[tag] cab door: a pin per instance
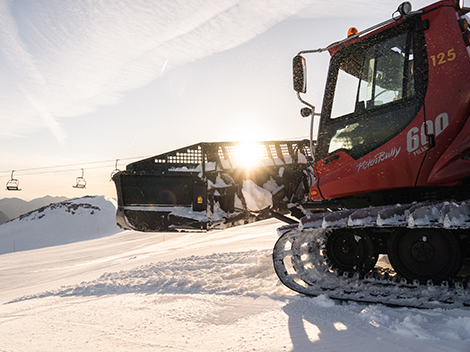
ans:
(374, 94)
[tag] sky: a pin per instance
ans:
(90, 85)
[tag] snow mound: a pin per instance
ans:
(69, 221)
(256, 198)
(237, 273)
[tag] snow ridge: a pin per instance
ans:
(238, 273)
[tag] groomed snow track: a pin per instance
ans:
(301, 262)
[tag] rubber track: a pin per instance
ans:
(300, 264)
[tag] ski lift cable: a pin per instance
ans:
(68, 166)
(66, 170)
(56, 168)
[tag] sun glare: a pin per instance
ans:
(248, 155)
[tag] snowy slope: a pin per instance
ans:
(60, 223)
(212, 291)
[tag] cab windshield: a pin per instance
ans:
(371, 93)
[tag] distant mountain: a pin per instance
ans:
(3, 217)
(14, 207)
(74, 220)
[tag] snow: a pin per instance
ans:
(72, 290)
(256, 198)
(272, 186)
(66, 222)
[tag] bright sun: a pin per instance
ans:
(248, 155)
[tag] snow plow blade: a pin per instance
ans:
(212, 185)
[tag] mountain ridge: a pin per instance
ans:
(3, 217)
(12, 208)
(69, 221)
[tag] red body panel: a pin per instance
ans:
(409, 160)
(448, 93)
(389, 166)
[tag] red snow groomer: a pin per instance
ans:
(392, 166)
(387, 215)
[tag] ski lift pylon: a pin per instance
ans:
(13, 184)
(81, 182)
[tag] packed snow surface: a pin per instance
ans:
(214, 291)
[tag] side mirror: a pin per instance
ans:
(300, 72)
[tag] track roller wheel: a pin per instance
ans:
(425, 254)
(351, 250)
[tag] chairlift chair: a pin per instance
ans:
(13, 184)
(81, 182)
(115, 171)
